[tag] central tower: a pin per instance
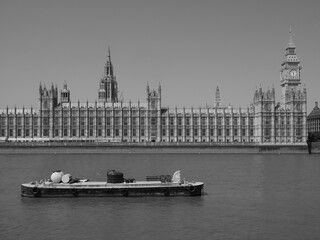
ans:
(108, 91)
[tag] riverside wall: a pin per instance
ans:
(131, 148)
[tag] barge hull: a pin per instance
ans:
(123, 191)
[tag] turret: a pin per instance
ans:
(217, 99)
(65, 94)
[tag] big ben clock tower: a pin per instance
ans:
(290, 73)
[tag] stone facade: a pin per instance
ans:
(111, 120)
(313, 119)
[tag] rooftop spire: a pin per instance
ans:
(108, 69)
(109, 55)
(290, 43)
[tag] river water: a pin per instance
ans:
(247, 196)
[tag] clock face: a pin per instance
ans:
(293, 73)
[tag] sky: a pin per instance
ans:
(187, 46)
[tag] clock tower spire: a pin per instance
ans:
(290, 72)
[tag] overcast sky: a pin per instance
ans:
(189, 47)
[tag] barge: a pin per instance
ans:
(63, 185)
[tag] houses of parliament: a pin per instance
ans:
(111, 120)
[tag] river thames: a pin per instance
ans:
(247, 196)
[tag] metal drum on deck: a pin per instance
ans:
(114, 177)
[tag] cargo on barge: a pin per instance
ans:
(63, 185)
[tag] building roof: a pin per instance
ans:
(315, 113)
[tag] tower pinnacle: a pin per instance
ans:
(290, 42)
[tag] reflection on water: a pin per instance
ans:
(247, 197)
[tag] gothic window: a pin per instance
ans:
(108, 132)
(219, 121)
(228, 132)
(46, 121)
(211, 132)
(35, 121)
(19, 132)
(134, 121)
(298, 131)
(251, 132)
(19, 121)
(91, 132)
(219, 132)
(267, 132)
(56, 121)
(235, 132)
(195, 121)
(117, 132)
(2, 121)
(227, 121)
(45, 104)
(82, 121)
(35, 132)
(65, 132)
(74, 121)
(179, 121)
(235, 121)
(134, 132)
(125, 121)
(153, 121)
(65, 121)
(171, 132)
(251, 121)
(56, 132)
(298, 120)
(142, 121)
(10, 121)
(243, 121)
(243, 132)
(164, 121)
(45, 132)
(125, 132)
(3, 132)
(211, 122)
(203, 132)
(117, 121)
(203, 121)
(108, 121)
(11, 132)
(298, 107)
(142, 132)
(195, 132)
(163, 132)
(179, 132)
(171, 121)
(27, 132)
(99, 121)
(188, 132)
(188, 121)
(153, 104)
